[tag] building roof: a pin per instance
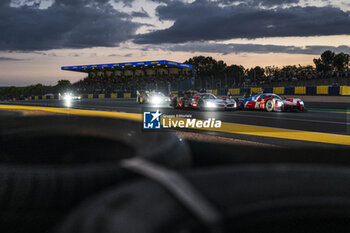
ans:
(87, 68)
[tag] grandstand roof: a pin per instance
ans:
(88, 68)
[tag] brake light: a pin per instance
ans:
(194, 104)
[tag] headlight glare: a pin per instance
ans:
(279, 103)
(210, 105)
(67, 96)
(156, 100)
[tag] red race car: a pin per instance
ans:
(272, 102)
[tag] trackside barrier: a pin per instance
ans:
(322, 90)
(289, 90)
(267, 89)
(127, 95)
(311, 90)
(214, 91)
(234, 91)
(344, 90)
(175, 93)
(245, 90)
(255, 90)
(120, 95)
(333, 90)
(300, 90)
(84, 96)
(222, 91)
(278, 90)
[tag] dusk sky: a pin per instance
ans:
(37, 37)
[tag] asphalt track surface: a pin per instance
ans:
(330, 118)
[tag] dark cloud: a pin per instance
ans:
(141, 14)
(206, 47)
(206, 20)
(274, 2)
(65, 24)
(249, 2)
(10, 59)
(126, 2)
(268, 3)
(118, 55)
(128, 55)
(74, 55)
(81, 2)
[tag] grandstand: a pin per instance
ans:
(131, 76)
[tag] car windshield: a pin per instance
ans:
(209, 96)
(158, 94)
(253, 98)
(179, 116)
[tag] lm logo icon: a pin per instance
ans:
(151, 120)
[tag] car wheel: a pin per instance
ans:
(269, 106)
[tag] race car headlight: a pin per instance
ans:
(67, 96)
(279, 104)
(156, 100)
(301, 103)
(210, 105)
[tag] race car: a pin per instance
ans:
(272, 102)
(204, 101)
(239, 101)
(69, 96)
(153, 98)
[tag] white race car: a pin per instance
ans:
(69, 96)
(153, 98)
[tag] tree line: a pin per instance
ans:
(37, 89)
(207, 68)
